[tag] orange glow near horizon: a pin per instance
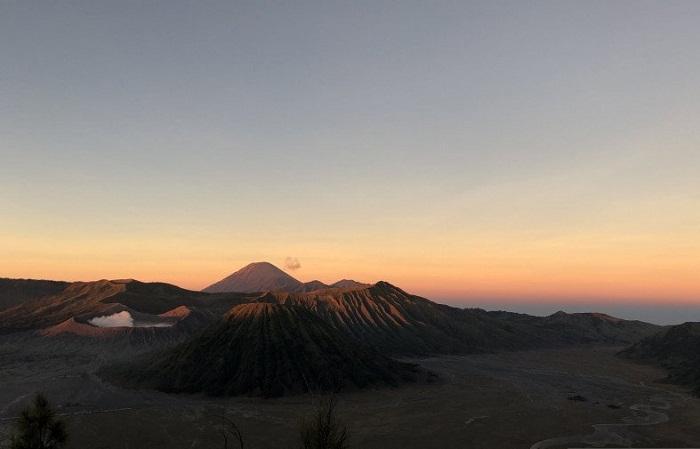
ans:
(592, 268)
(552, 239)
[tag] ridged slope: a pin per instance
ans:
(267, 350)
(397, 322)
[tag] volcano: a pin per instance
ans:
(260, 277)
(257, 277)
(266, 350)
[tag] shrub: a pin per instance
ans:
(324, 430)
(38, 427)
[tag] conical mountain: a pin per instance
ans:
(257, 277)
(265, 350)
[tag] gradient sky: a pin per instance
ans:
(473, 152)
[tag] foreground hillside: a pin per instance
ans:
(268, 350)
(677, 349)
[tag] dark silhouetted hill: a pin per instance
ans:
(676, 348)
(577, 328)
(266, 350)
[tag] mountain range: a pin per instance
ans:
(268, 350)
(296, 336)
(263, 277)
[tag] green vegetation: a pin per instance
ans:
(38, 427)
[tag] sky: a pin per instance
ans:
(542, 153)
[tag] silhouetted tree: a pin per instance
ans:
(324, 430)
(38, 428)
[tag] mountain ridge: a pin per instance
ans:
(265, 350)
(380, 315)
(258, 277)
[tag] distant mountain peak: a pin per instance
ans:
(349, 284)
(387, 287)
(260, 277)
(313, 286)
(594, 315)
(256, 277)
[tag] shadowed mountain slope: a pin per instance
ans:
(576, 328)
(599, 327)
(267, 350)
(676, 348)
(16, 291)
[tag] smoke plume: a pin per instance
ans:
(121, 319)
(292, 263)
